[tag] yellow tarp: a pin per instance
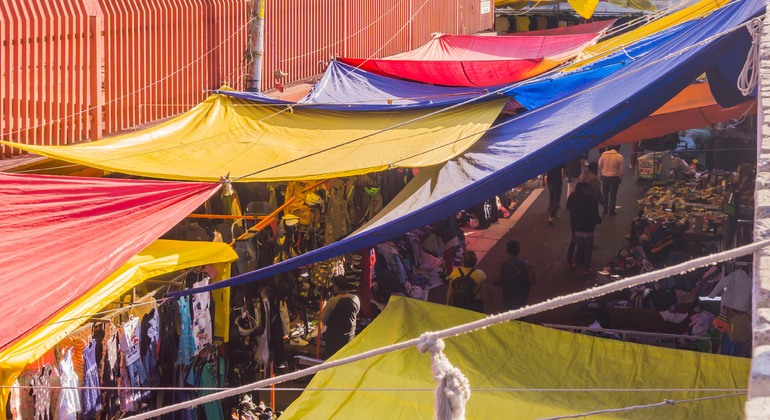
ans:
(228, 135)
(521, 356)
(603, 48)
(160, 257)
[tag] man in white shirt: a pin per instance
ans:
(611, 165)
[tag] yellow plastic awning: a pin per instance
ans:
(160, 257)
(267, 143)
(513, 356)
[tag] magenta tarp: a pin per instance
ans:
(598, 28)
(61, 236)
(467, 60)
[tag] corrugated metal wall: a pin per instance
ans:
(75, 70)
(302, 36)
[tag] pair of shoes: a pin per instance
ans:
(551, 220)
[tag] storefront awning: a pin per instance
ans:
(467, 60)
(503, 361)
(63, 235)
(225, 135)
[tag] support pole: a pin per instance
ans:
(256, 44)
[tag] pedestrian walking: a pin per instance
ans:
(554, 183)
(516, 278)
(584, 216)
(611, 170)
(467, 285)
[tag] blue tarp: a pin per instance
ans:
(533, 142)
(551, 87)
(343, 87)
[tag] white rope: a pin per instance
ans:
(641, 407)
(749, 76)
(452, 387)
(476, 325)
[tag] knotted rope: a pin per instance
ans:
(452, 387)
(749, 76)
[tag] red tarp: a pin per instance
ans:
(63, 235)
(467, 60)
(597, 28)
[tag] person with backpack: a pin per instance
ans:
(467, 285)
(516, 278)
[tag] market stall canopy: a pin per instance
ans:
(467, 60)
(533, 142)
(599, 28)
(343, 87)
(515, 356)
(694, 107)
(63, 235)
(225, 135)
(160, 257)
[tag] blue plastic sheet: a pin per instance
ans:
(533, 142)
(343, 87)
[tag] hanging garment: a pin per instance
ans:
(110, 369)
(210, 378)
(201, 309)
(92, 399)
(150, 336)
(186, 340)
(298, 191)
(130, 346)
(336, 217)
(69, 398)
(522, 23)
(42, 393)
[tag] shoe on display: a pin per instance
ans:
(298, 341)
(314, 333)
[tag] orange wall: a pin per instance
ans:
(76, 70)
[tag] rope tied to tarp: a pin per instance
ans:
(452, 387)
(747, 80)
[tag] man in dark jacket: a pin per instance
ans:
(584, 216)
(516, 277)
(339, 315)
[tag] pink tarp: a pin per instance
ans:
(597, 28)
(467, 60)
(63, 235)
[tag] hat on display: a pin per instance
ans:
(345, 284)
(290, 219)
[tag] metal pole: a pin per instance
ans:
(257, 44)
